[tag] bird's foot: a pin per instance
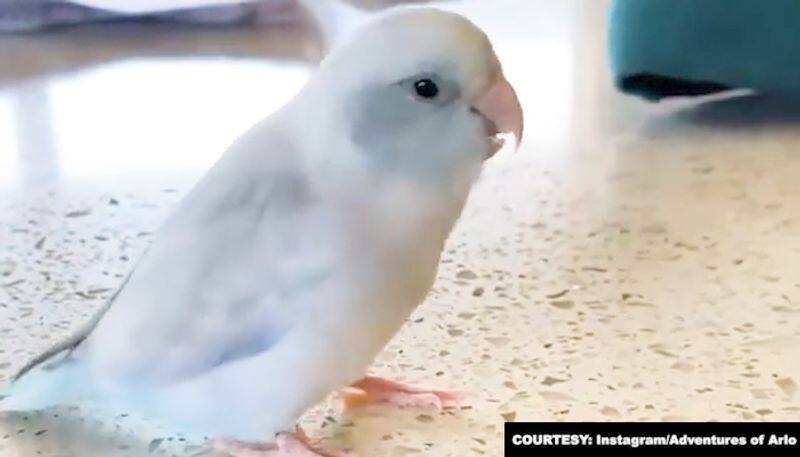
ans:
(371, 390)
(285, 445)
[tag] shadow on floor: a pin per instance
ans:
(68, 431)
(742, 111)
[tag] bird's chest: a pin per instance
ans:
(398, 238)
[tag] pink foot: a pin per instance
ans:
(285, 445)
(370, 390)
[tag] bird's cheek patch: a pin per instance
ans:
(379, 117)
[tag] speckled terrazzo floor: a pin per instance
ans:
(631, 262)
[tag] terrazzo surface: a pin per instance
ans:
(631, 262)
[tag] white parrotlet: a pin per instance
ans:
(290, 265)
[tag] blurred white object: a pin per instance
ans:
(159, 6)
(31, 15)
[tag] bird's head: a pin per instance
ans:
(420, 90)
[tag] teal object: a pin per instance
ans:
(663, 48)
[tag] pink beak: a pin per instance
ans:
(501, 107)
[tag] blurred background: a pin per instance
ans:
(633, 261)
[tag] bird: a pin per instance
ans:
(285, 270)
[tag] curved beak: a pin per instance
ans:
(501, 107)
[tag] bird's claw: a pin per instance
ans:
(372, 390)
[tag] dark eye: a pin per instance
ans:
(426, 88)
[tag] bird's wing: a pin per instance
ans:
(221, 279)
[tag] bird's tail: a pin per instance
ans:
(42, 388)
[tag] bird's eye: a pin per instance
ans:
(426, 88)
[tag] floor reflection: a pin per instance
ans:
(144, 117)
